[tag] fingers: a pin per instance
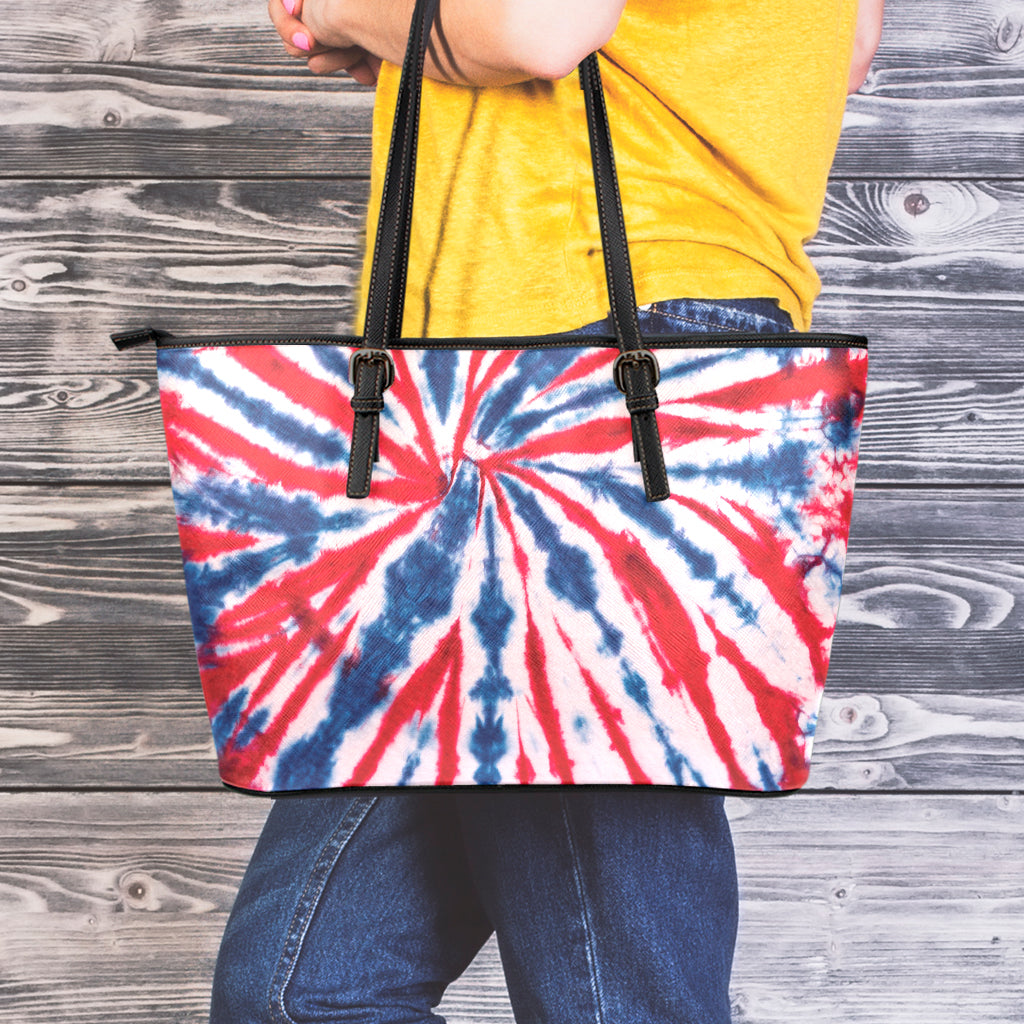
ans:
(321, 60)
(360, 65)
(297, 39)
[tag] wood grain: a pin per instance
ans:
(863, 908)
(159, 32)
(142, 249)
(962, 425)
(138, 120)
(946, 395)
(139, 248)
(931, 34)
(942, 34)
(113, 907)
(105, 707)
(122, 120)
(105, 555)
(99, 685)
(905, 905)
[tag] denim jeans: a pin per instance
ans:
(612, 905)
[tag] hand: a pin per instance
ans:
(338, 53)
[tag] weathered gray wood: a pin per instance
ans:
(967, 427)
(119, 120)
(935, 239)
(113, 118)
(113, 707)
(905, 125)
(137, 248)
(81, 259)
(931, 34)
(945, 401)
(938, 34)
(113, 907)
(906, 905)
(921, 427)
(110, 555)
(160, 32)
(99, 687)
(101, 555)
(875, 909)
(103, 707)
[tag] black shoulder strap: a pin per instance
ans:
(372, 370)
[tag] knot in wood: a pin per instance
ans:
(111, 118)
(848, 714)
(1008, 33)
(739, 1005)
(19, 285)
(916, 204)
(137, 891)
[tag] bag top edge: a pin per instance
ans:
(660, 341)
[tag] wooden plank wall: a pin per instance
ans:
(163, 161)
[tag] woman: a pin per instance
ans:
(608, 904)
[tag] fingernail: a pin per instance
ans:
(289, 6)
(302, 41)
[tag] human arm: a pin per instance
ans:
(478, 42)
(866, 39)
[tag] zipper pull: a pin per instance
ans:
(131, 339)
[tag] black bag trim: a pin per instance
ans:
(741, 339)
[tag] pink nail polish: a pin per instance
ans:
(302, 41)
(289, 6)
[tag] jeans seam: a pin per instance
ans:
(697, 321)
(588, 930)
(307, 905)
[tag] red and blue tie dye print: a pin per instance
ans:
(506, 607)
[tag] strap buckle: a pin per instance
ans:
(636, 357)
(372, 355)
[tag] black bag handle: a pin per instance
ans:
(372, 370)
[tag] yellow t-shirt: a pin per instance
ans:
(725, 116)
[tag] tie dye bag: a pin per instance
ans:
(490, 561)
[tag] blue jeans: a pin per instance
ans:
(612, 905)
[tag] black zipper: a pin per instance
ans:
(163, 339)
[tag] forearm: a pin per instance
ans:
(866, 40)
(477, 42)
